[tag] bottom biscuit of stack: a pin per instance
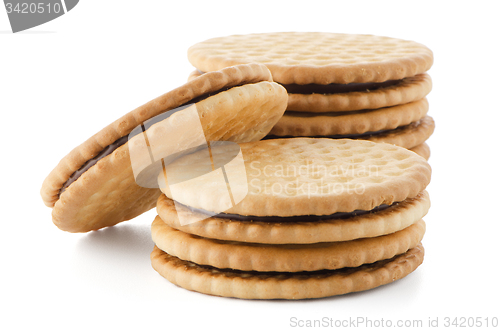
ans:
(276, 285)
(296, 245)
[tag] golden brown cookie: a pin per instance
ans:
(288, 285)
(389, 220)
(106, 193)
(284, 257)
(303, 176)
(305, 124)
(408, 136)
(316, 57)
(407, 90)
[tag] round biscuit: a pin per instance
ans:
(304, 176)
(284, 257)
(392, 219)
(306, 124)
(316, 57)
(293, 286)
(407, 90)
(107, 194)
(408, 136)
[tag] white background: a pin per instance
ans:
(65, 80)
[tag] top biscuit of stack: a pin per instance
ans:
(315, 57)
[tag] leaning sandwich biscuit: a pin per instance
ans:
(94, 186)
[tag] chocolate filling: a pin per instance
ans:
(339, 136)
(105, 152)
(121, 141)
(351, 136)
(283, 275)
(334, 88)
(298, 218)
(337, 88)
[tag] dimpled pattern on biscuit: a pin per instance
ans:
(360, 175)
(245, 113)
(316, 57)
(253, 285)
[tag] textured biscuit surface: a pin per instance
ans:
(407, 90)
(107, 194)
(308, 176)
(303, 285)
(335, 123)
(392, 219)
(316, 57)
(285, 257)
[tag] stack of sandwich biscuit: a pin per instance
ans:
(243, 217)
(320, 217)
(339, 85)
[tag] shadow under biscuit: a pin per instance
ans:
(132, 242)
(113, 262)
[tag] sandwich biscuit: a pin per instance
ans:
(286, 285)
(94, 185)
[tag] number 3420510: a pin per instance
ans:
(32, 8)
